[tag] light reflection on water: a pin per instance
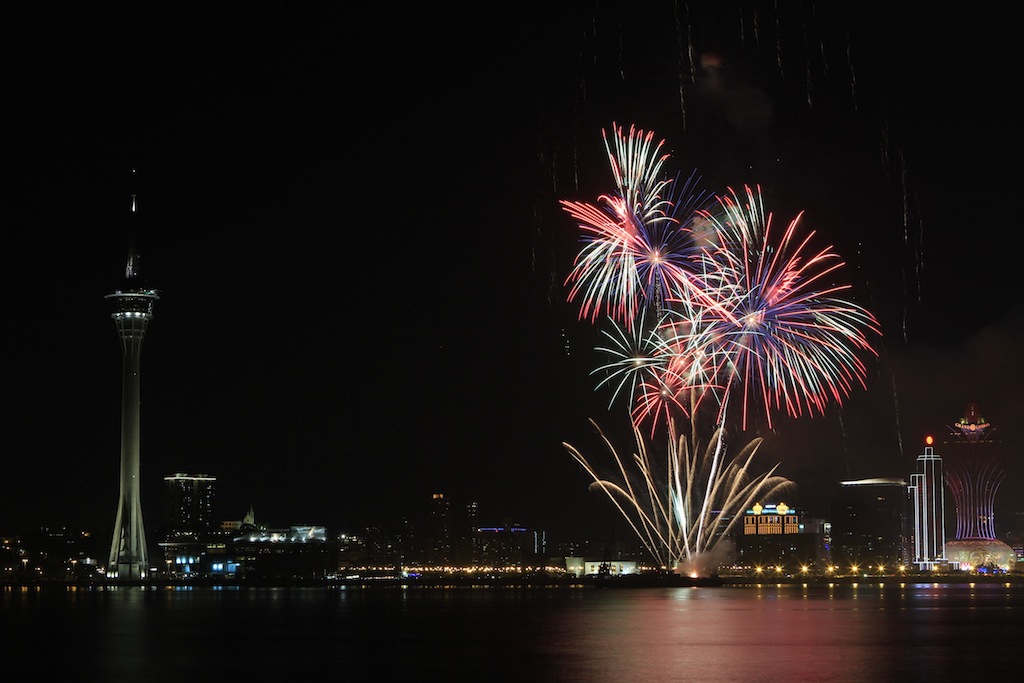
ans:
(865, 632)
(860, 633)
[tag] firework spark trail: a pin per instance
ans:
(778, 40)
(896, 411)
(808, 78)
(853, 72)
(689, 57)
(660, 511)
(713, 481)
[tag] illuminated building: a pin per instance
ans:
(928, 502)
(578, 566)
(510, 544)
(190, 503)
(440, 544)
(469, 545)
(298, 553)
(190, 541)
(252, 552)
(133, 308)
(773, 534)
(869, 523)
(771, 519)
(973, 475)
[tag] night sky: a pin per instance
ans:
(353, 224)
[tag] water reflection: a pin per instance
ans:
(818, 632)
(868, 632)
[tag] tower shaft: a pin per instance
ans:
(129, 557)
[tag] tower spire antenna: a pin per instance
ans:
(133, 308)
(132, 269)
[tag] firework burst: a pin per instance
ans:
(736, 308)
(636, 356)
(636, 241)
(784, 334)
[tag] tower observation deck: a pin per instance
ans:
(133, 308)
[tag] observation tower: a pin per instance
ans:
(973, 475)
(133, 307)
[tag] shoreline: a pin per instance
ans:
(602, 582)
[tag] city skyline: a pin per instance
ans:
(361, 257)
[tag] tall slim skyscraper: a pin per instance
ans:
(440, 530)
(133, 307)
(926, 493)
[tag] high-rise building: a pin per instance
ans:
(440, 543)
(190, 503)
(869, 523)
(928, 502)
(191, 544)
(133, 307)
(974, 473)
(469, 546)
